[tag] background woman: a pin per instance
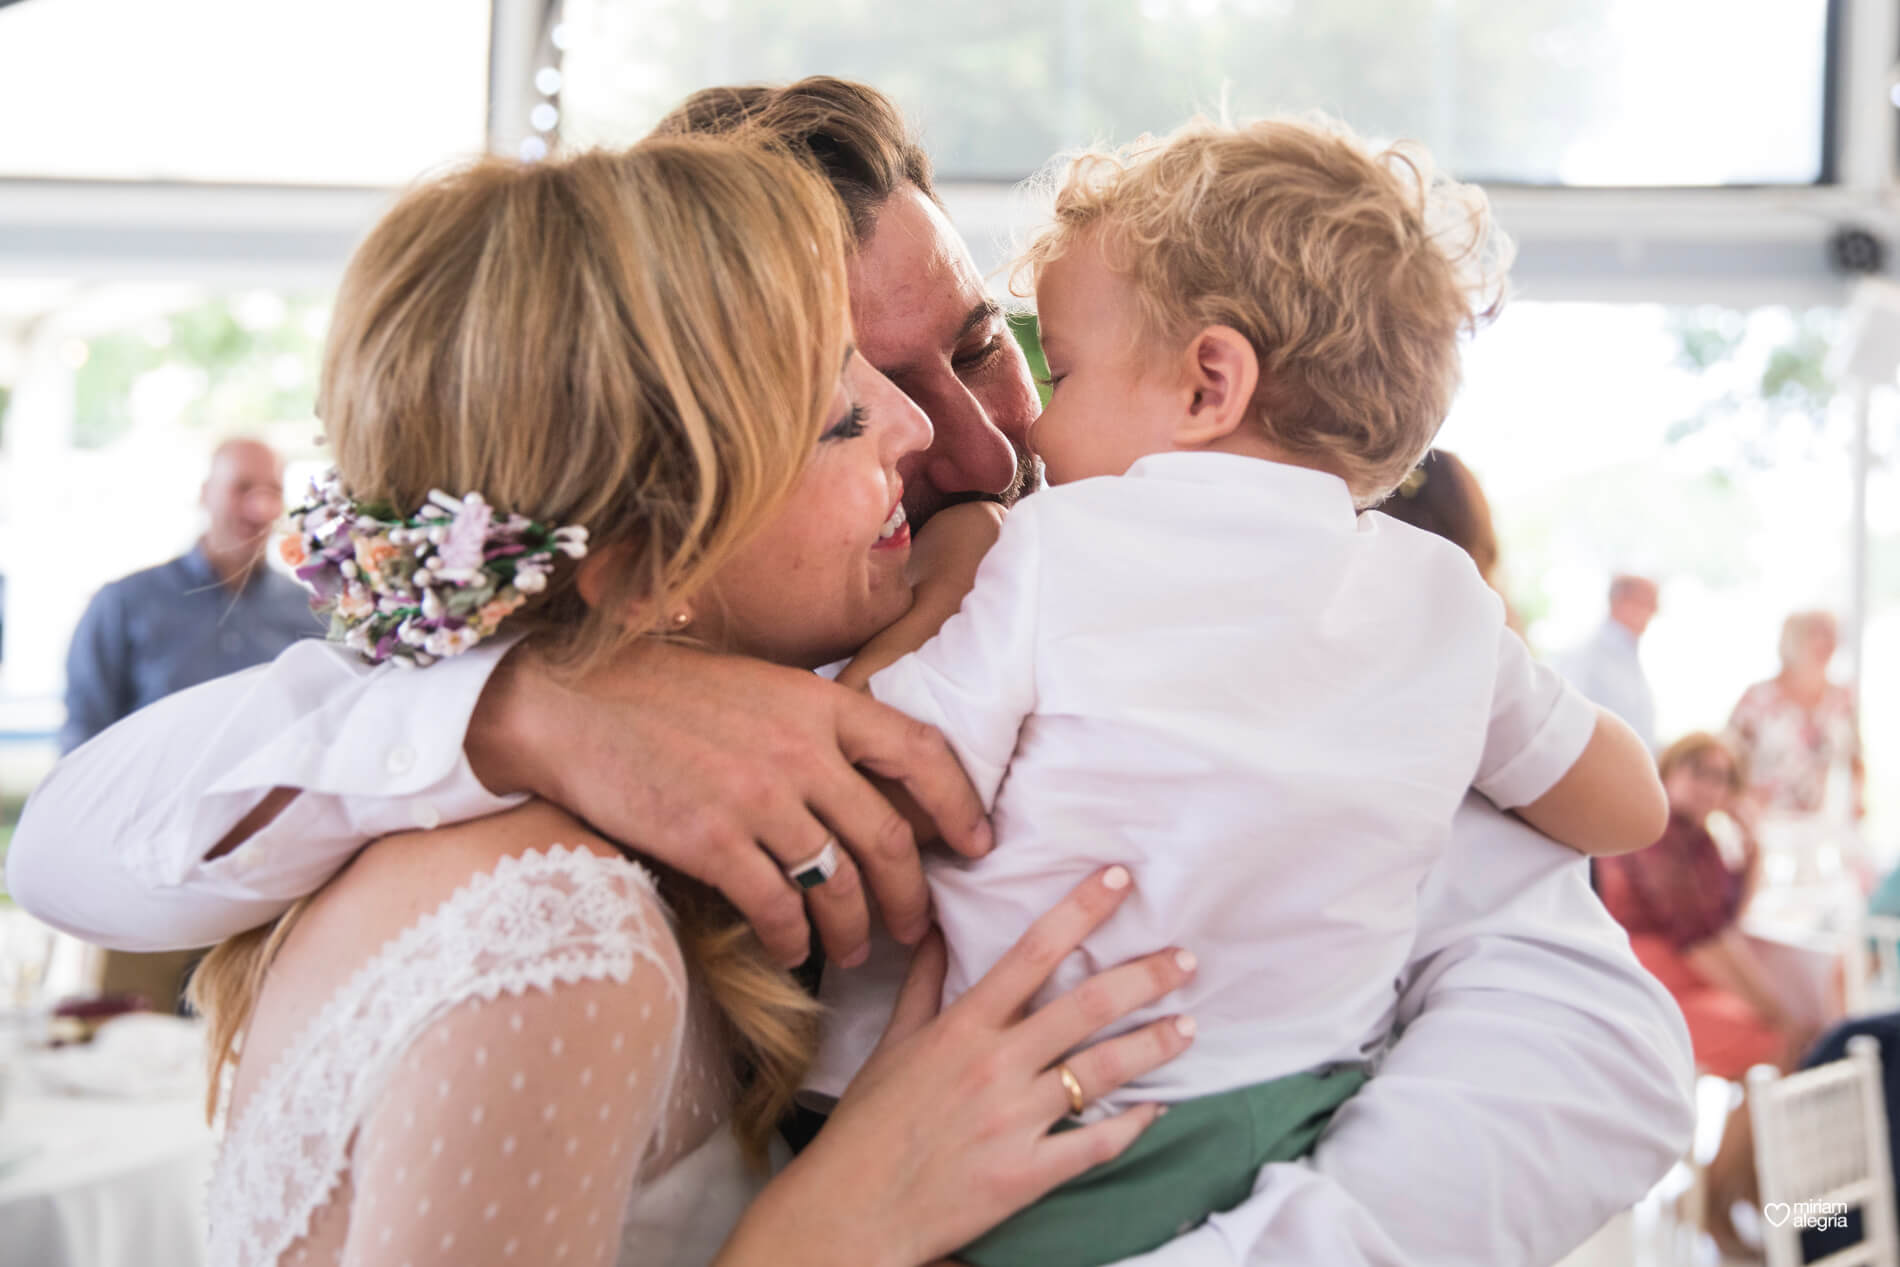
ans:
(1796, 727)
(1682, 901)
(504, 1040)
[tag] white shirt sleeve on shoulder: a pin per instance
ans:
(976, 680)
(1540, 725)
(1530, 1033)
(111, 847)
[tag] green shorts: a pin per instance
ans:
(1199, 1158)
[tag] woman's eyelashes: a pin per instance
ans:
(849, 427)
(1050, 381)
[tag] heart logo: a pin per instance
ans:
(1777, 1212)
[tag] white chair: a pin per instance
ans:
(1821, 1147)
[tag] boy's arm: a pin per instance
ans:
(1569, 768)
(1610, 801)
(945, 558)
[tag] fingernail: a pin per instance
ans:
(1185, 960)
(1161, 1110)
(985, 836)
(1115, 879)
(1185, 1026)
(857, 956)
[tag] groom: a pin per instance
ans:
(1539, 1086)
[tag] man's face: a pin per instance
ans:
(923, 318)
(244, 495)
(1637, 606)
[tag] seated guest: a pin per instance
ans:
(1681, 903)
(1794, 728)
(213, 610)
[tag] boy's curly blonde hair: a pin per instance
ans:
(1351, 270)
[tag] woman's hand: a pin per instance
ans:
(945, 1131)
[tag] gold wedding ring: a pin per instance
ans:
(1073, 1085)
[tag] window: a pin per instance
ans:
(236, 91)
(1575, 92)
(1700, 446)
(117, 401)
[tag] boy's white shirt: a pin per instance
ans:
(1543, 1084)
(1267, 706)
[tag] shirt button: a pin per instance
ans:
(426, 815)
(246, 859)
(400, 760)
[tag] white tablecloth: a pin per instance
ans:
(99, 1182)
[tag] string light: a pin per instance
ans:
(547, 81)
(544, 117)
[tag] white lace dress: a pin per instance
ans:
(521, 1074)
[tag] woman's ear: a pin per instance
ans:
(595, 581)
(594, 577)
(1222, 374)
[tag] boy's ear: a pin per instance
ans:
(1222, 374)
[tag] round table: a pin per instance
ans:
(96, 1182)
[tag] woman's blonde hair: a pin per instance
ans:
(1351, 270)
(644, 342)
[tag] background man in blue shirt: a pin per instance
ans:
(1606, 668)
(214, 610)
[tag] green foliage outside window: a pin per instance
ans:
(233, 360)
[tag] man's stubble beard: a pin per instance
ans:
(1026, 480)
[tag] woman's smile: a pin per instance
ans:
(895, 535)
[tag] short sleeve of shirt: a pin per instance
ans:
(1539, 726)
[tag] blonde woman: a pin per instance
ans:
(1794, 729)
(506, 1041)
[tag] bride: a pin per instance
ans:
(508, 1041)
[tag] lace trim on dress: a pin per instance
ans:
(537, 920)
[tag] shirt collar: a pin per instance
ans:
(1298, 488)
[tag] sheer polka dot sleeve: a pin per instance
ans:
(512, 1129)
(481, 1091)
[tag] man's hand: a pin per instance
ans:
(731, 770)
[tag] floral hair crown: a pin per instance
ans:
(419, 588)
